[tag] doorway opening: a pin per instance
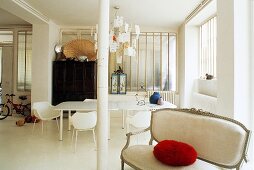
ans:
(6, 63)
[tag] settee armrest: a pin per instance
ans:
(131, 134)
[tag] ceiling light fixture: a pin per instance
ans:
(120, 36)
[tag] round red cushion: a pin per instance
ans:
(175, 153)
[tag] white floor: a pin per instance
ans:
(22, 149)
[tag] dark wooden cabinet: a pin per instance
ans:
(73, 81)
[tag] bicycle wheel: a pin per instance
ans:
(4, 111)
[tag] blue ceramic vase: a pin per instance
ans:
(155, 97)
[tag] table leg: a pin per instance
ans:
(61, 126)
(123, 118)
(69, 120)
(108, 125)
(127, 122)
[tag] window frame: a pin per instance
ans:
(113, 66)
(211, 69)
(17, 81)
(137, 87)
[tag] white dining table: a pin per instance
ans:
(91, 105)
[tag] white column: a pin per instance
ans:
(225, 58)
(102, 86)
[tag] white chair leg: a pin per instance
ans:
(73, 131)
(57, 124)
(69, 120)
(127, 125)
(34, 124)
(42, 126)
(123, 119)
(76, 140)
(94, 138)
(137, 139)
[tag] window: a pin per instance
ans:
(6, 37)
(67, 36)
(154, 66)
(24, 60)
(208, 52)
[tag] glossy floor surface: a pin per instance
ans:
(23, 149)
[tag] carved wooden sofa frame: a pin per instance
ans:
(218, 140)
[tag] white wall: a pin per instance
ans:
(188, 63)
(252, 79)
(242, 77)
(234, 63)
(233, 59)
(181, 64)
(40, 64)
(54, 38)
(191, 62)
(45, 37)
(242, 61)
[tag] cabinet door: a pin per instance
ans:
(69, 77)
(59, 77)
(58, 89)
(89, 77)
(79, 78)
(73, 81)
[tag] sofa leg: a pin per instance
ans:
(122, 165)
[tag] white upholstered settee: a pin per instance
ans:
(219, 141)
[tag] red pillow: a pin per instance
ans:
(175, 153)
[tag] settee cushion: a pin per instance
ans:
(175, 153)
(141, 157)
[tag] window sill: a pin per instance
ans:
(207, 87)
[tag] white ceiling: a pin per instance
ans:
(7, 18)
(167, 14)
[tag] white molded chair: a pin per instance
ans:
(140, 120)
(83, 122)
(45, 111)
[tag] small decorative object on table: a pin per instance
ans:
(118, 82)
(114, 83)
(155, 97)
(122, 83)
(160, 101)
(140, 101)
